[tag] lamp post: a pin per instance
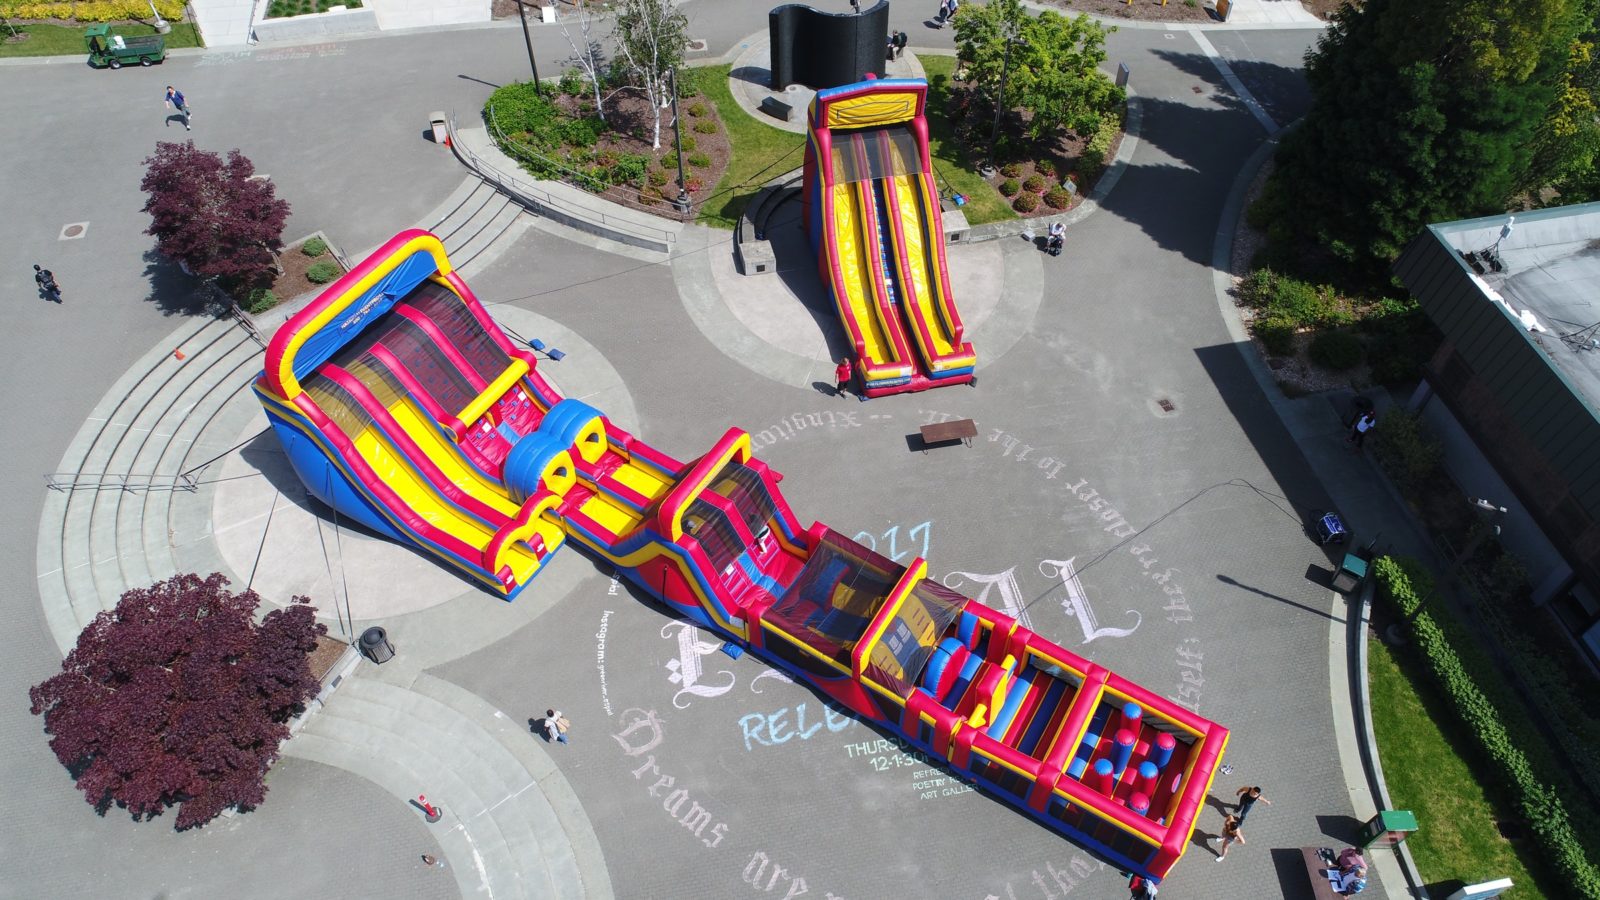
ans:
(522, 14)
(677, 137)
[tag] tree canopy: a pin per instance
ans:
(1425, 111)
(211, 216)
(178, 696)
(1053, 72)
(651, 37)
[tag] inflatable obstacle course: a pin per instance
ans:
(402, 405)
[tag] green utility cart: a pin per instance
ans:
(112, 50)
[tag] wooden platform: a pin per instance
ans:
(963, 430)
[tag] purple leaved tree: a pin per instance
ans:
(210, 215)
(178, 696)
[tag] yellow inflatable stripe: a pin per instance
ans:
(857, 283)
(438, 512)
(646, 481)
(608, 515)
(447, 458)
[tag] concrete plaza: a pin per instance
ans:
(1111, 390)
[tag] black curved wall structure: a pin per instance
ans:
(822, 49)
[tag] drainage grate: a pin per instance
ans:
(1165, 404)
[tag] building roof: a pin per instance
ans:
(1547, 279)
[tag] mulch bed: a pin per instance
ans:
(325, 655)
(1138, 10)
(1175, 10)
(629, 129)
(292, 282)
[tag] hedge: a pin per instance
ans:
(93, 10)
(1407, 586)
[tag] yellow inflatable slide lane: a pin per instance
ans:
(935, 323)
(874, 219)
(854, 290)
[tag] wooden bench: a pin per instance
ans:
(777, 109)
(963, 430)
(1315, 867)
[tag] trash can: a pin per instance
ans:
(1351, 573)
(439, 128)
(375, 645)
(1388, 828)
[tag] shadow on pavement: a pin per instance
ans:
(1341, 829)
(1289, 866)
(175, 293)
(1271, 596)
(1266, 432)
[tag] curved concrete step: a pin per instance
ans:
(146, 522)
(462, 204)
(490, 238)
(85, 540)
(151, 433)
(505, 838)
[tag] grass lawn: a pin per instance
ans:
(950, 162)
(760, 152)
(67, 40)
(1457, 841)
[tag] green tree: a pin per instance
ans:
(1567, 143)
(1053, 72)
(651, 37)
(1422, 111)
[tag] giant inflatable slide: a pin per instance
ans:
(873, 216)
(402, 405)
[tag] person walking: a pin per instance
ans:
(1230, 833)
(1248, 797)
(46, 280)
(176, 101)
(1358, 431)
(555, 726)
(944, 13)
(841, 375)
(900, 41)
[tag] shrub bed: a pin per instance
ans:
(323, 271)
(1026, 202)
(1336, 350)
(314, 247)
(1408, 589)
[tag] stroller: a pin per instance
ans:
(1055, 240)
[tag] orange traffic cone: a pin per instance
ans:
(178, 355)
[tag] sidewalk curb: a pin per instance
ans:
(1347, 669)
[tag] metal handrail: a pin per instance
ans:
(81, 481)
(540, 197)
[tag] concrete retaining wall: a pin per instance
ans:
(350, 21)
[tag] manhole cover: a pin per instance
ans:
(697, 46)
(1199, 90)
(1165, 404)
(73, 231)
